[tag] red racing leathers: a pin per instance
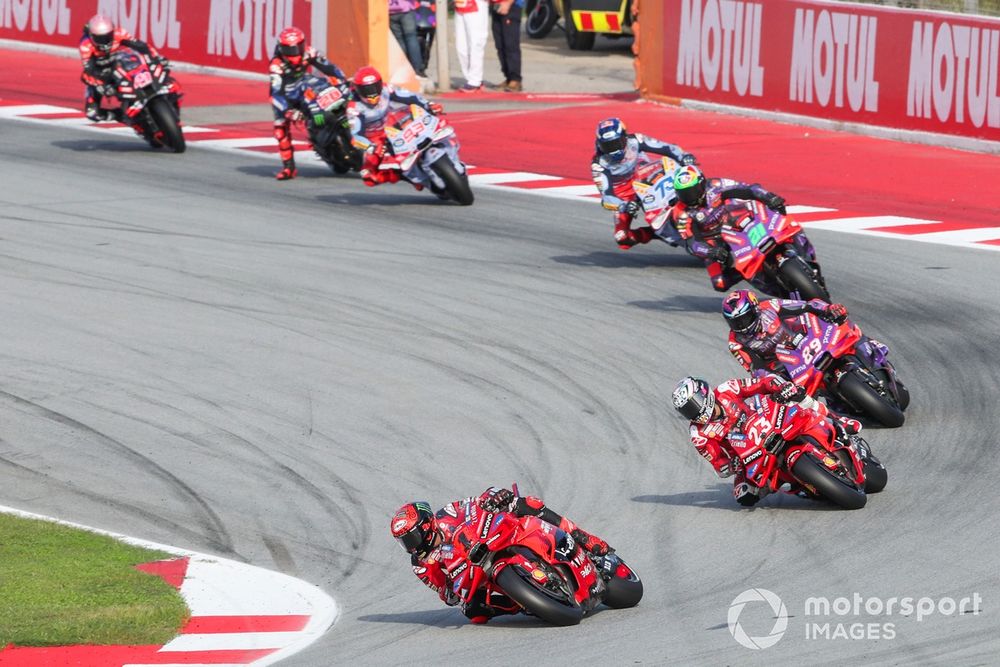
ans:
(98, 65)
(778, 324)
(711, 439)
(614, 181)
(432, 567)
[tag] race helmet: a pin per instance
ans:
(740, 310)
(367, 85)
(292, 45)
(414, 527)
(101, 31)
(689, 185)
(612, 138)
(694, 399)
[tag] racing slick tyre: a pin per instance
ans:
(166, 119)
(623, 591)
(455, 183)
(903, 393)
(876, 476)
(576, 40)
(828, 486)
(798, 277)
(542, 602)
(541, 18)
(866, 398)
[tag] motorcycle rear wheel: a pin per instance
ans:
(796, 275)
(542, 602)
(865, 398)
(166, 119)
(809, 471)
(456, 184)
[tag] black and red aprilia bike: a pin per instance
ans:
(149, 97)
(538, 566)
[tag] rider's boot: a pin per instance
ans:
(288, 171)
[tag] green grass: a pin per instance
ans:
(62, 586)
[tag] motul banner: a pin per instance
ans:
(907, 69)
(235, 34)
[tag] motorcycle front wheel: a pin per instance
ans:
(624, 589)
(868, 400)
(455, 183)
(535, 598)
(828, 486)
(797, 276)
(166, 120)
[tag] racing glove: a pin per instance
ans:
(503, 500)
(835, 312)
(436, 109)
(775, 203)
(293, 115)
(789, 393)
(718, 254)
(630, 207)
(688, 159)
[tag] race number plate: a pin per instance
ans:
(143, 79)
(329, 98)
(757, 233)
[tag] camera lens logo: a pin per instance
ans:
(777, 608)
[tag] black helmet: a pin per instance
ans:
(694, 399)
(740, 310)
(414, 527)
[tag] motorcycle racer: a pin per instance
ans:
(100, 41)
(427, 536)
(617, 155)
(699, 215)
(290, 61)
(371, 103)
(715, 415)
(758, 327)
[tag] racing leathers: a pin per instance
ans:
(712, 438)
(701, 227)
(432, 567)
(613, 179)
(286, 97)
(368, 130)
(98, 67)
(778, 324)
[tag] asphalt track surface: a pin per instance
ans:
(197, 355)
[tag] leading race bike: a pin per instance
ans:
(654, 187)
(538, 567)
(795, 449)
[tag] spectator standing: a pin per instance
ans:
(507, 36)
(471, 26)
(403, 23)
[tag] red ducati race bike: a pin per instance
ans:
(837, 360)
(539, 567)
(771, 252)
(794, 449)
(149, 99)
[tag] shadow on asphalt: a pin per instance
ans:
(87, 145)
(623, 259)
(683, 303)
(387, 198)
(441, 618)
(720, 497)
